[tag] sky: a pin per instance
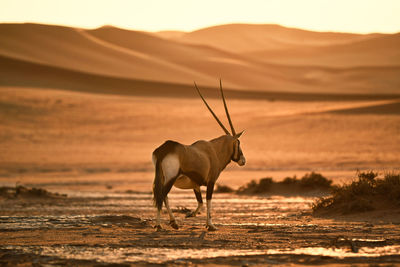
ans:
(358, 16)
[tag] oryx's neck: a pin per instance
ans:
(224, 149)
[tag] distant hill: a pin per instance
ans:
(246, 57)
(78, 49)
(382, 50)
(244, 38)
(170, 34)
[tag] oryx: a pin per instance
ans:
(195, 165)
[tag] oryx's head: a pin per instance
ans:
(237, 155)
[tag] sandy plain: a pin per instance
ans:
(96, 149)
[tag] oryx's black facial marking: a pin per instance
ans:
(237, 152)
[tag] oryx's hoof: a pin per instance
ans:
(211, 227)
(174, 225)
(158, 228)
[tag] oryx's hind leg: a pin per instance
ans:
(158, 220)
(172, 220)
(170, 167)
(197, 192)
(157, 192)
(167, 172)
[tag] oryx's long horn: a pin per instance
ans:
(226, 109)
(215, 116)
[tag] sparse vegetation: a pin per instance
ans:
(290, 185)
(223, 189)
(315, 181)
(365, 194)
(24, 192)
(263, 186)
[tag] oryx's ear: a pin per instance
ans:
(239, 134)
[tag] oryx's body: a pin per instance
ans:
(192, 166)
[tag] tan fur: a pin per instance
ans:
(184, 182)
(207, 158)
(195, 165)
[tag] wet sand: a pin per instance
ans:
(106, 227)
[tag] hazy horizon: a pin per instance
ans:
(194, 30)
(322, 16)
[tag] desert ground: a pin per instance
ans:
(80, 117)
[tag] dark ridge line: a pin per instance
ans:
(20, 73)
(392, 108)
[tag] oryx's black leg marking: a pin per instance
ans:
(210, 190)
(198, 196)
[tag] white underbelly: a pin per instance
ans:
(183, 182)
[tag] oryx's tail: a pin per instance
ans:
(158, 194)
(159, 189)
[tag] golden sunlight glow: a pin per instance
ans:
(360, 16)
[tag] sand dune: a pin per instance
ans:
(128, 54)
(75, 49)
(133, 55)
(44, 76)
(170, 34)
(236, 70)
(241, 38)
(376, 51)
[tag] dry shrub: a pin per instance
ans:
(309, 182)
(24, 192)
(315, 181)
(390, 187)
(223, 189)
(263, 186)
(365, 194)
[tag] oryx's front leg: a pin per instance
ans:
(197, 192)
(210, 190)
